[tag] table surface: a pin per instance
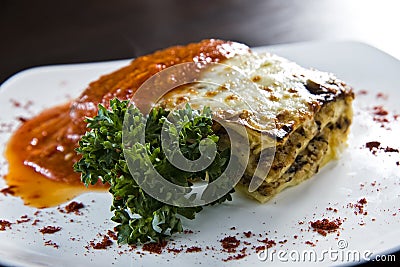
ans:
(36, 33)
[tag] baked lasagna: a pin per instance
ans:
(297, 119)
(310, 111)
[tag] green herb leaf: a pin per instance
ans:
(140, 217)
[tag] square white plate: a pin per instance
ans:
(357, 174)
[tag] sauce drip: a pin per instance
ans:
(41, 152)
(36, 185)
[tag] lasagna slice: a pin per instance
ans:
(310, 111)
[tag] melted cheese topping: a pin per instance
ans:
(268, 93)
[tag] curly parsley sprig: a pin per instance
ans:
(140, 217)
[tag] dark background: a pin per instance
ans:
(43, 32)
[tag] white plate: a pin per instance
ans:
(337, 185)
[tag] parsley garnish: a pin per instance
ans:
(140, 217)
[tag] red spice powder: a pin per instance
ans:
(235, 257)
(372, 145)
(259, 248)
(51, 244)
(22, 119)
(15, 103)
(362, 92)
(380, 115)
(269, 243)
(381, 120)
(74, 207)
(23, 220)
(248, 234)
(230, 243)
(325, 226)
(154, 247)
(8, 190)
(321, 232)
(4, 224)
(360, 206)
(375, 145)
(18, 104)
(193, 249)
(390, 149)
(335, 210)
(50, 229)
(362, 201)
(381, 95)
(309, 243)
(112, 235)
(103, 244)
(174, 250)
(380, 111)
